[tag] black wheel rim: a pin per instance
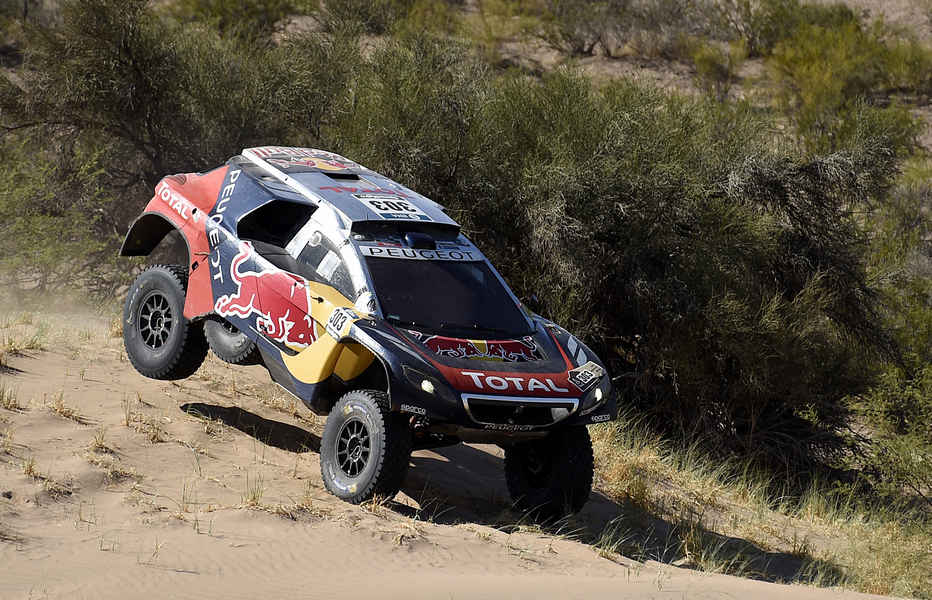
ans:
(353, 447)
(538, 467)
(156, 320)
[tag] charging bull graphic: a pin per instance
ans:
(280, 301)
(523, 350)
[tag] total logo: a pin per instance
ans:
(520, 384)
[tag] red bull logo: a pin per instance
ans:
(523, 350)
(278, 299)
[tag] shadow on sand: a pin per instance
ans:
(270, 432)
(466, 484)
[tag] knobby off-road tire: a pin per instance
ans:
(160, 342)
(229, 343)
(365, 448)
(551, 477)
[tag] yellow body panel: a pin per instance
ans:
(327, 356)
(354, 359)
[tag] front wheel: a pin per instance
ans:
(551, 477)
(365, 448)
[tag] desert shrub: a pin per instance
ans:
(762, 24)
(898, 408)
(53, 197)
(664, 28)
(377, 17)
(150, 90)
(822, 74)
(579, 27)
(729, 279)
(717, 68)
(30, 11)
(430, 16)
(142, 96)
(252, 20)
(655, 28)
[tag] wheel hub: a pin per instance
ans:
(353, 447)
(155, 320)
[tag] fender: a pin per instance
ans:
(182, 203)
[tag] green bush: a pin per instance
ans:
(822, 74)
(579, 27)
(717, 69)
(377, 17)
(728, 278)
(898, 409)
(763, 24)
(252, 20)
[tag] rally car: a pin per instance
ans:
(363, 299)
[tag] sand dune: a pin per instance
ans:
(117, 486)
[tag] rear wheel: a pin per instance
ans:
(551, 477)
(160, 342)
(365, 448)
(229, 343)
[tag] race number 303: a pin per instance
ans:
(338, 320)
(392, 207)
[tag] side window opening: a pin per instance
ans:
(275, 223)
(322, 258)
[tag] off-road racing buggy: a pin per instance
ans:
(363, 299)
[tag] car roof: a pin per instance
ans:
(356, 193)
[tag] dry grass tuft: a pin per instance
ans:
(116, 327)
(252, 496)
(19, 343)
(54, 488)
(99, 443)
(114, 472)
(58, 406)
(6, 441)
(8, 398)
(151, 426)
(678, 509)
(29, 468)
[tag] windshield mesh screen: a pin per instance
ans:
(448, 297)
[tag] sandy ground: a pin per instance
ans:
(113, 485)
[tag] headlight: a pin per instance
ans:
(598, 396)
(429, 384)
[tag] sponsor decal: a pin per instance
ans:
(392, 206)
(413, 409)
(523, 350)
(339, 321)
(600, 418)
(284, 156)
(508, 427)
(176, 202)
(513, 383)
(418, 253)
(586, 376)
(283, 313)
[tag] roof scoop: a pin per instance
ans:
(420, 241)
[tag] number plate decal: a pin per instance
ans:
(340, 321)
(392, 207)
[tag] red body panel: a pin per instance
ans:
(186, 200)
